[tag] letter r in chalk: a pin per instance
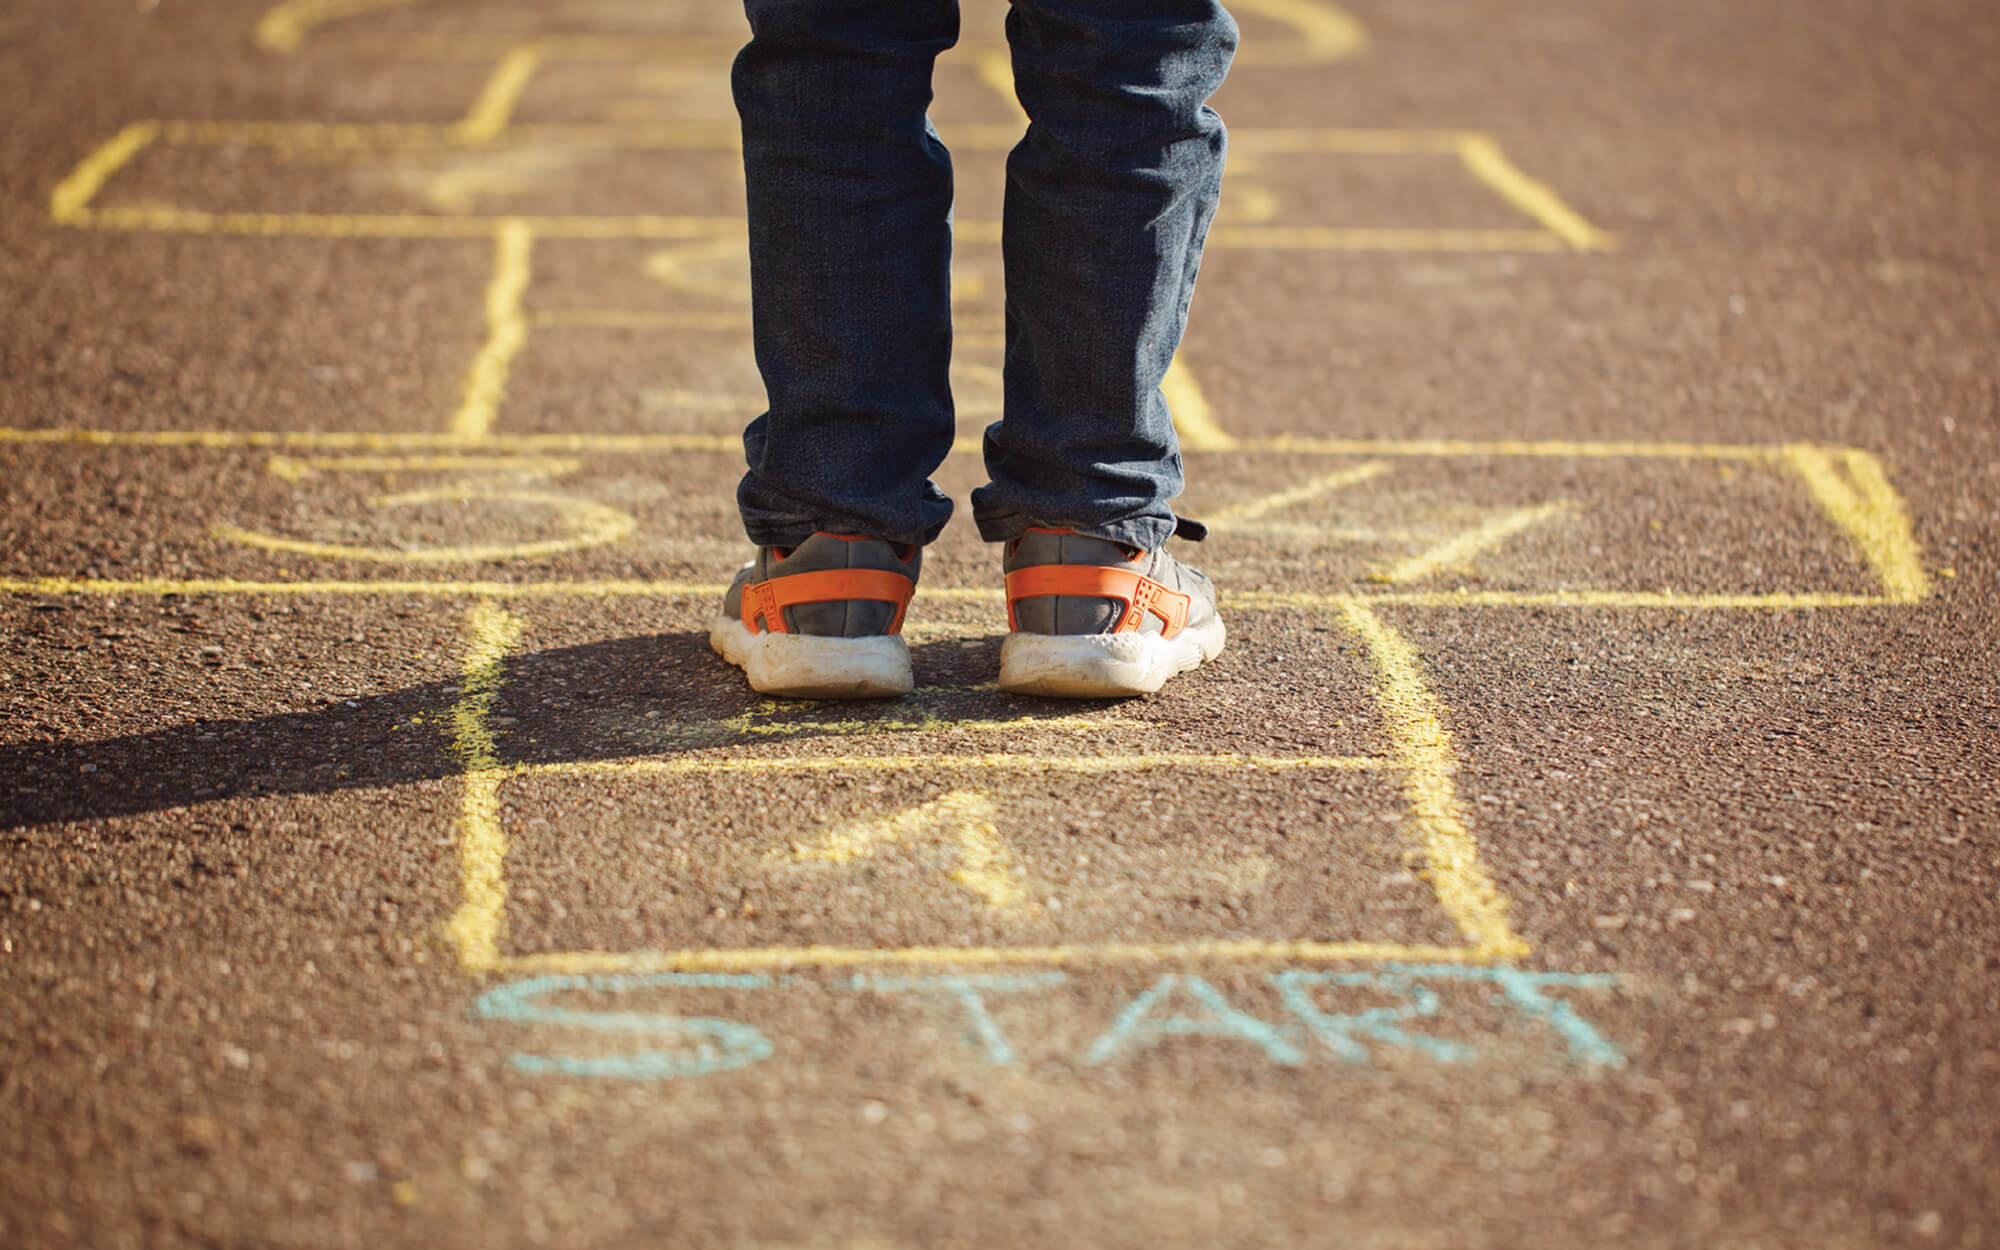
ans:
(1341, 1033)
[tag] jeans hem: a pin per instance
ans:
(1145, 532)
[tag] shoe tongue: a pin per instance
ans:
(1192, 530)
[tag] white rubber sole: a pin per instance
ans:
(803, 666)
(1103, 666)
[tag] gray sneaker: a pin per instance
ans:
(822, 620)
(1092, 619)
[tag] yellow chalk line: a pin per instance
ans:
(1305, 445)
(756, 958)
(988, 762)
(1365, 239)
(506, 331)
(1490, 165)
(363, 136)
(487, 123)
(963, 817)
(404, 225)
(1194, 420)
(482, 845)
(1252, 601)
(1313, 531)
(1446, 850)
(1768, 601)
(1868, 511)
(1284, 444)
(1325, 485)
(166, 220)
(679, 49)
(494, 108)
(69, 203)
(1325, 33)
(1299, 141)
(284, 28)
(746, 725)
(378, 441)
(294, 469)
(1342, 141)
(1460, 548)
(641, 319)
(996, 70)
(594, 525)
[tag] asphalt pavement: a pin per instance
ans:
(1589, 837)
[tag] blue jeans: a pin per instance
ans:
(1109, 198)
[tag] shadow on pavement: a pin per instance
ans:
(621, 698)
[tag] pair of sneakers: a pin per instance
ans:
(1088, 618)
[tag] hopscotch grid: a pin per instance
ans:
(1442, 848)
(1848, 485)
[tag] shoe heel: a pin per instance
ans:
(806, 666)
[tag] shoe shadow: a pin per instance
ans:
(646, 696)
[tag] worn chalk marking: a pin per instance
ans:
(1562, 227)
(693, 50)
(1252, 601)
(494, 108)
(591, 525)
(996, 70)
(474, 928)
(1314, 489)
(1194, 420)
(691, 267)
(410, 225)
(963, 818)
(717, 135)
(1458, 550)
(1490, 165)
(1136, 1023)
(1869, 511)
(968, 993)
(641, 319)
(168, 220)
(285, 27)
(1283, 444)
(69, 203)
(1444, 850)
(719, 1045)
(741, 959)
(1000, 762)
(293, 469)
(757, 721)
(506, 331)
(1367, 239)
(1326, 33)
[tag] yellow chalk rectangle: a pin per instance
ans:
(1437, 836)
(1381, 520)
(410, 180)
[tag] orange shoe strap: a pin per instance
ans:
(1140, 595)
(770, 598)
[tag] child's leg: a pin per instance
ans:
(1109, 197)
(850, 249)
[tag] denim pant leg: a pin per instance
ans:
(1109, 198)
(850, 268)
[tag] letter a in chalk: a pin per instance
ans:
(1137, 1023)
